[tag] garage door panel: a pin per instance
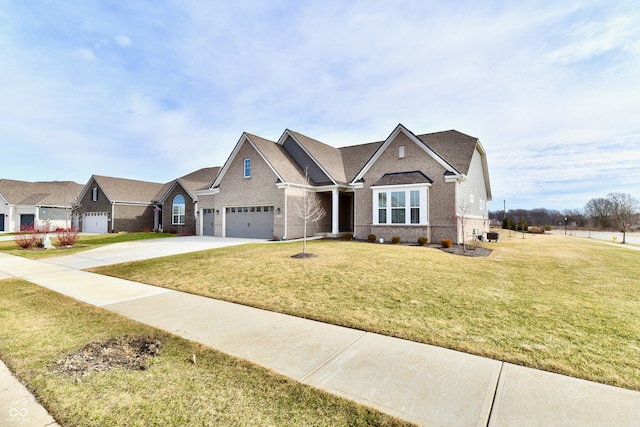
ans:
(95, 222)
(250, 222)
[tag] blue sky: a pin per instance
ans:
(153, 90)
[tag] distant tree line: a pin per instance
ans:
(618, 211)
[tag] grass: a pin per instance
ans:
(84, 243)
(557, 303)
(40, 327)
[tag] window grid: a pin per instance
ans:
(177, 211)
(402, 206)
(382, 208)
(415, 207)
(247, 168)
(398, 205)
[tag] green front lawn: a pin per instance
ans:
(41, 327)
(558, 303)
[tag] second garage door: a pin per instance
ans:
(255, 222)
(95, 222)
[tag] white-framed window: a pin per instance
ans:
(401, 205)
(247, 168)
(382, 208)
(398, 207)
(94, 194)
(177, 210)
(401, 151)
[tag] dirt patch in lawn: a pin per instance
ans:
(304, 255)
(99, 356)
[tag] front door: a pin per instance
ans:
(27, 221)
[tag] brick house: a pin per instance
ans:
(407, 185)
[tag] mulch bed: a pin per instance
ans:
(472, 251)
(303, 255)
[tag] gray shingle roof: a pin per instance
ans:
(279, 159)
(328, 157)
(356, 156)
(41, 193)
(129, 190)
(404, 178)
(454, 147)
(200, 179)
(345, 163)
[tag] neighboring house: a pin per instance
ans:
(407, 185)
(111, 205)
(33, 204)
(177, 208)
(108, 205)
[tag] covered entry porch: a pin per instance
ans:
(340, 209)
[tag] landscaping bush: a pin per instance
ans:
(423, 241)
(372, 238)
(67, 236)
(395, 239)
(348, 236)
(536, 230)
(446, 243)
(547, 227)
(26, 237)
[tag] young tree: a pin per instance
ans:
(463, 209)
(623, 210)
(309, 209)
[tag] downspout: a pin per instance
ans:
(354, 211)
(113, 219)
(284, 237)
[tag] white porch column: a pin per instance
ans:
(335, 212)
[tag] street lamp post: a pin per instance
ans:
(565, 225)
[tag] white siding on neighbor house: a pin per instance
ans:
(474, 189)
(5, 211)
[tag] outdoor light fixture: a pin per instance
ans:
(217, 211)
(565, 225)
(278, 211)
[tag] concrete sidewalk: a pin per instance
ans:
(17, 405)
(416, 382)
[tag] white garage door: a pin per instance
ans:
(255, 222)
(95, 222)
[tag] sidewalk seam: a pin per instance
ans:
(495, 394)
(333, 357)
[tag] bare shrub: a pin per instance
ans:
(67, 236)
(26, 237)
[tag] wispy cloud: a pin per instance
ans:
(123, 41)
(155, 90)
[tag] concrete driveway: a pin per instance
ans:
(144, 249)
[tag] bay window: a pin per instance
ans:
(401, 205)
